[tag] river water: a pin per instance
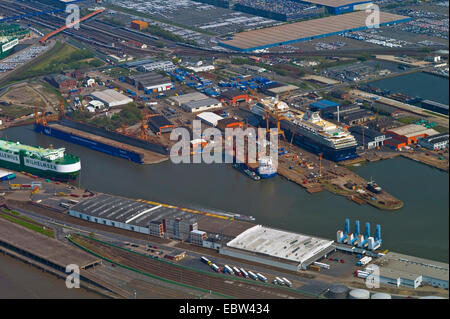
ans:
(21, 281)
(425, 85)
(420, 228)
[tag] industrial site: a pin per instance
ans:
(89, 117)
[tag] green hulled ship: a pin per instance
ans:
(43, 162)
(7, 46)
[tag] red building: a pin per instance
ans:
(407, 135)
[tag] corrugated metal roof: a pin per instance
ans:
(305, 30)
(412, 130)
(201, 103)
(110, 96)
(210, 117)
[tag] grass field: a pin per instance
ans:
(61, 57)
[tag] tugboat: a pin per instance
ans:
(247, 172)
(373, 187)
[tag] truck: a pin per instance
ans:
(322, 265)
(215, 267)
(252, 275)
(237, 272)
(244, 273)
(205, 260)
(261, 277)
(287, 282)
(227, 269)
(279, 281)
(364, 261)
(313, 267)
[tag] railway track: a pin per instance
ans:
(226, 285)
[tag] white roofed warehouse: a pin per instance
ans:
(201, 105)
(210, 118)
(278, 248)
(111, 98)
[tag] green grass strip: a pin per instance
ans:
(146, 274)
(30, 226)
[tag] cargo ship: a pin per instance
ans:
(266, 168)
(43, 162)
(7, 46)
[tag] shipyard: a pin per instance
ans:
(355, 117)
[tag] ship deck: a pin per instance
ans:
(16, 147)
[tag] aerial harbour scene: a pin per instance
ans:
(284, 150)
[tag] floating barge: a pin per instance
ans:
(101, 140)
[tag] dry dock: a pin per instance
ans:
(148, 157)
(315, 175)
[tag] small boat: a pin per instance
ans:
(247, 172)
(374, 187)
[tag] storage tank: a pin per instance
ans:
(381, 295)
(359, 294)
(337, 292)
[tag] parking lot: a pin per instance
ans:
(342, 265)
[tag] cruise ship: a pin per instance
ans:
(43, 162)
(314, 134)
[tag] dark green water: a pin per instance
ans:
(420, 228)
(427, 86)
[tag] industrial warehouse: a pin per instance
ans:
(111, 98)
(156, 219)
(232, 237)
(341, 6)
(306, 30)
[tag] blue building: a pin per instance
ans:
(322, 105)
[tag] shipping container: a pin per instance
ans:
(315, 268)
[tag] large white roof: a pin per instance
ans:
(210, 117)
(412, 130)
(280, 244)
